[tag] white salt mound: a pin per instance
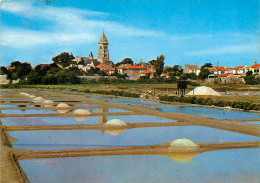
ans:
(82, 112)
(48, 103)
(22, 93)
(38, 99)
(183, 143)
(31, 96)
(26, 94)
(116, 122)
(63, 105)
(204, 90)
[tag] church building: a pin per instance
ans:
(103, 54)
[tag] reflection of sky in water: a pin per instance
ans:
(238, 165)
(254, 122)
(210, 112)
(33, 121)
(132, 101)
(29, 111)
(137, 136)
(20, 105)
(44, 111)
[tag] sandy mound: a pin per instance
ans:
(63, 105)
(82, 112)
(203, 90)
(183, 143)
(116, 122)
(38, 99)
(115, 132)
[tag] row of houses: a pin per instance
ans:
(217, 71)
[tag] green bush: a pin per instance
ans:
(209, 101)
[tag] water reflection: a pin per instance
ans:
(210, 112)
(74, 139)
(236, 165)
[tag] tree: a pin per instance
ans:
(125, 61)
(3, 70)
(151, 62)
(177, 69)
(158, 65)
(204, 72)
(167, 69)
(20, 71)
(64, 59)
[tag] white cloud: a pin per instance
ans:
(64, 24)
(231, 49)
(26, 38)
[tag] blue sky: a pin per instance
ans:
(185, 31)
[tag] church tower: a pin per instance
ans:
(103, 55)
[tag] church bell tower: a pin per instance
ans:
(103, 54)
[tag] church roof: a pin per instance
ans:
(103, 38)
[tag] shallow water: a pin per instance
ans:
(134, 101)
(74, 139)
(239, 165)
(45, 111)
(34, 121)
(20, 105)
(210, 112)
(29, 111)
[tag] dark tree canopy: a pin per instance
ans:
(159, 64)
(64, 59)
(125, 61)
(204, 72)
(177, 69)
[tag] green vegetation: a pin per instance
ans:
(113, 92)
(204, 72)
(252, 79)
(158, 65)
(125, 61)
(209, 101)
(64, 59)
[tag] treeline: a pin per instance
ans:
(209, 101)
(42, 74)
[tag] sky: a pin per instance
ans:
(184, 31)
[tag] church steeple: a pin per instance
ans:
(103, 38)
(103, 54)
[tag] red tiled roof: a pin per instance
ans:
(256, 66)
(148, 71)
(110, 69)
(226, 75)
(193, 67)
(217, 69)
(100, 66)
(132, 67)
(10, 68)
(239, 67)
